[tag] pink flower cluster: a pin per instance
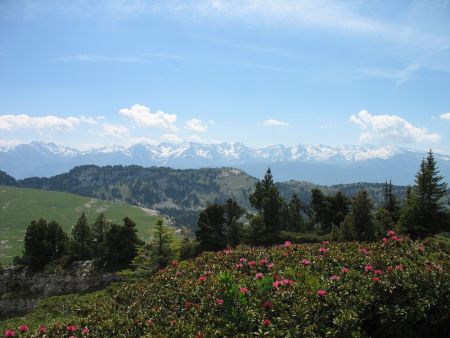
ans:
(281, 282)
(323, 250)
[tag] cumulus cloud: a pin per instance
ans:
(274, 122)
(24, 121)
(445, 116)
(143, 117)
(390, 129)
(196, 125)
(115, 130)
(171, 138)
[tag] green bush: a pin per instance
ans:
(388, 288)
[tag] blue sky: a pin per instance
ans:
(87, 73)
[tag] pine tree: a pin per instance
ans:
(121, 243)
(390, 202)
(211, 228)
(362, 216)
(162, 251)
(296, 220)
(99, 230)
(82, 238)
(233, 228)
(347, 229)
(425, 211)
(267, 201)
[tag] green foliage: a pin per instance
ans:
(121, 243)
(383, 222)
(99, 229)
(211, 228)
(347, 230)
(362, 208)
(162, 246)
(43, 243)
(398, 288)
(329, 210)
(82, 239)
(19, 206)
(233, 227)
(425, 211)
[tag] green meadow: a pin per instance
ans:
(19, 206)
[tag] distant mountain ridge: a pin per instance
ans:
(319, 164)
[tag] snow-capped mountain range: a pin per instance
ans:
(318, 163)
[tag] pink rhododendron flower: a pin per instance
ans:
(364, 251)
(266, 322)
(243, 290)
(42, 329)
(242, 260)
(268, 305)
(174, 263)
(368, 268)
(202, 278)
(344, 269)
(306, 262)
(71, 328)
(238, 266)
(149, 322)
(72, 337)
(23, 328)
(323, 250)
(10, 333)
(391, 233)
(276, 284)
(376, 279)
(321, 293)
(395, 238)
(178, 273)
(251, 264)
(421, 248)
(263, 261)
(325, 243)
(270, 266)
(219, 301)
(85, 331)
(287, 244)
(259, 275)
(378, 272)
(385, 240)
(335, 278)
(399, 267)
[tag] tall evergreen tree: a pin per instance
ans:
(211, 228)
(99, 230)
(296, 221)
(162, 245)
(82, 238)
(121, 242)
(390, 202)
(233, 227)
(362, 216)
(425, 211)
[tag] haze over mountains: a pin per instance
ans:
(319, 164)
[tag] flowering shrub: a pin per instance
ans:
(393, 287)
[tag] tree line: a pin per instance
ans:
(423, 212)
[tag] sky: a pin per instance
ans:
(90, 73)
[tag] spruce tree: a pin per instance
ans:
(362, 216)
(99, 230)
(296, 220)
(211, 228)
(347, 229)
(82, 238)
(425, 211)
(233, 227)
(162, 245)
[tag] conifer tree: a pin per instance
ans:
(296, 220)
(233, 227)
(82, 238)
(347, 229)
(211, 228)
(162, 251)
(362, 216)
(99, 230)
(425, 211)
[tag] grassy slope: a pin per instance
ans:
(18, 206)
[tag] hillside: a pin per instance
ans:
(18, 206)
(178, 193)
(400, 287)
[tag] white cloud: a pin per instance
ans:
(141, 140)
(115, 130)
(142, 116)
(198, 139)
(196, 125)
(171, 138)
(24, 121)
(6, 144)
(274, 122)
(445, 116)
(390, 129)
